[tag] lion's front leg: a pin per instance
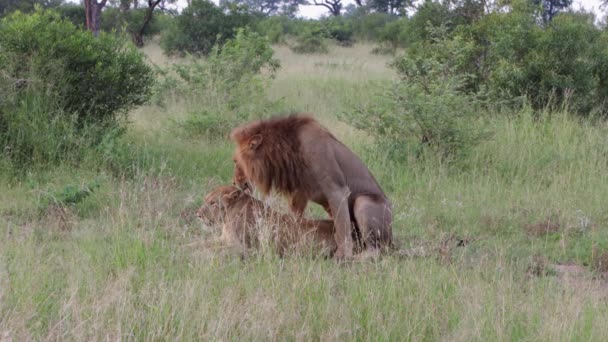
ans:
(297, 204)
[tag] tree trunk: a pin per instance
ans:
(92, 10)
(138, 37)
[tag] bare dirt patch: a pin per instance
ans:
(570, 275)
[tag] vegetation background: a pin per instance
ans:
(485, 123)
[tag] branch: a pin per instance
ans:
(322, 4)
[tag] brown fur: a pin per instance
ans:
(240, 215)
(296, 156)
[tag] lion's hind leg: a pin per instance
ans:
(374, 219)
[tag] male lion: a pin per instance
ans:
(298, 157)
(241, 216)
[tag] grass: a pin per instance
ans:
(113, 266)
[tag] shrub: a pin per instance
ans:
(73, 13)
(394, 34)
(274, 27)
(427, 109)
(340, 29)
(61, 87)
(113, 19)
(94, 78)
(201, 26)
(368, 26)
(310, 42)
(566, 61)
(227, 87)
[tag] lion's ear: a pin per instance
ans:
(255, 141)
(233, 194)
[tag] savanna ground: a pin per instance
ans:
(512, 247)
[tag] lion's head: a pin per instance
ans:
(218, 202)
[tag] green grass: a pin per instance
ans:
(113, 266)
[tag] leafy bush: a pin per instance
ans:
(394, 34)
(274, 27)
(429, 14)
(227, 87)
(427, 109)
(60, 87)
(113, 19)
(94, 78)
(310, 42)
(340, 29)
(73, 13)
(369, 26)
(566, 61)
(201, 26)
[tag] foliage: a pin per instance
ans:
(61, 87)
(430, 14)
(369, 26)
(340, 29)
(113, 19)
(34, 130)
(73, 13)
(94, 78)
(310, 42)
(550, 8)
(268, 7)
(228, 86)
(273, 27)
(396, 7)
(202, 25)
(9, 6)
(428, 108)
(564, 61)
(395, 34)
(69, 195)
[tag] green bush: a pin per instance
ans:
(96, 79)
(369, 26)
(61, 87)
(429, 14)
(310, 42)
(340, 29)
(395, 34)
(564, 62)
(427, 110)
(228, 87)
(201, 26)
(73, 13)
(274, 27)
(130, 22)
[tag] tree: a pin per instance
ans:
(334, 6)
(138, 36)
(92, 10)
(397, 7)
(550, 8)
(268, 7)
